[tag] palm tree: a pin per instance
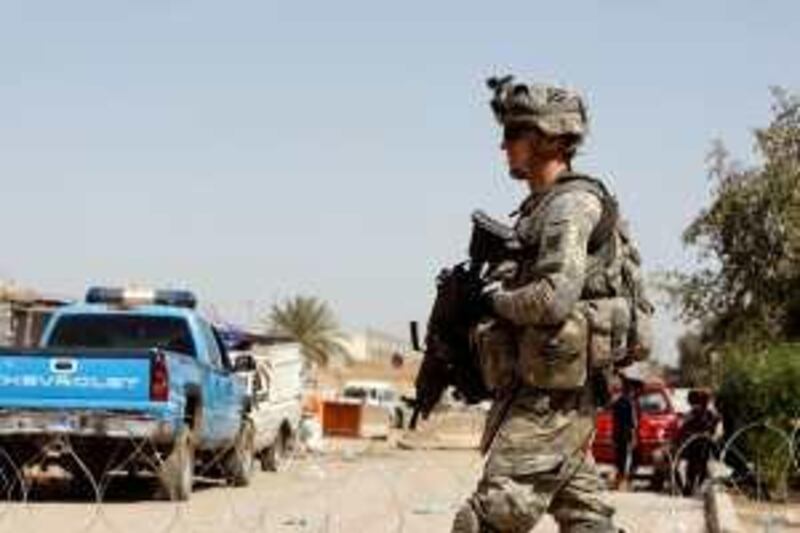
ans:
(311, 323)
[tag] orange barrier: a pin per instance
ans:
(341, 419)
(346, 418)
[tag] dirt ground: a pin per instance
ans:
(357, 485)
(765, 516)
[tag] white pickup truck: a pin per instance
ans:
(381, 394)
(274, 382)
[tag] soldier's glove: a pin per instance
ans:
(486, 298)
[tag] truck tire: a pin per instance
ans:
(657, 481)
(240, 459)
(12, 479)
(176, 474)
(274, 458)
(88, 472)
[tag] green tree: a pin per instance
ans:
(747, 287)
(744, 299)
(311, 323)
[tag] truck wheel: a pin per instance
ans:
(239, 461)
(88, 472)
(274, 458)
(657, 481)
(12, 479)
(177, 471)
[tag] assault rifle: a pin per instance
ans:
(449, 358)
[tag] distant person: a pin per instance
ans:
(696, 439)
(625, 424)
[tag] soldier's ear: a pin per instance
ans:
(550, 146)
(564, 146)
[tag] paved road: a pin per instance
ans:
(363, 489)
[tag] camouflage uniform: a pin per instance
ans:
(539, 460)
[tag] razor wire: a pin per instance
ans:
(372, 485)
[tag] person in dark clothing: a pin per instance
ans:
(624, 414)
(696, 439)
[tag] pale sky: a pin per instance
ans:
(252, 150)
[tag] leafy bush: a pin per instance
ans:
(761, 392)
(762, 387)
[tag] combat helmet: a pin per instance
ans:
(555, 111)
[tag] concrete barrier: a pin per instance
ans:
(719, 510)
(375, 422)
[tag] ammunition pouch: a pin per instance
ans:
(555, 358)
(640, 338)
(609, 323)
(496, 345)
(585, 348)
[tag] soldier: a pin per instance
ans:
(538, 456)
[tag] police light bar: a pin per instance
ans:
(133, 297)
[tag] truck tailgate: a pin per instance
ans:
(68, 379)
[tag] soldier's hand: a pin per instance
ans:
(486, 298)
(505, 271)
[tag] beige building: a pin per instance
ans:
(374, 345)
(23, 314)
(373, 357)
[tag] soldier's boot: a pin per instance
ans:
(468, 521)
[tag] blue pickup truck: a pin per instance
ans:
(133, 381)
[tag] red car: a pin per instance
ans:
(658, 426)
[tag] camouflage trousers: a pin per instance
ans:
(539, 464)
